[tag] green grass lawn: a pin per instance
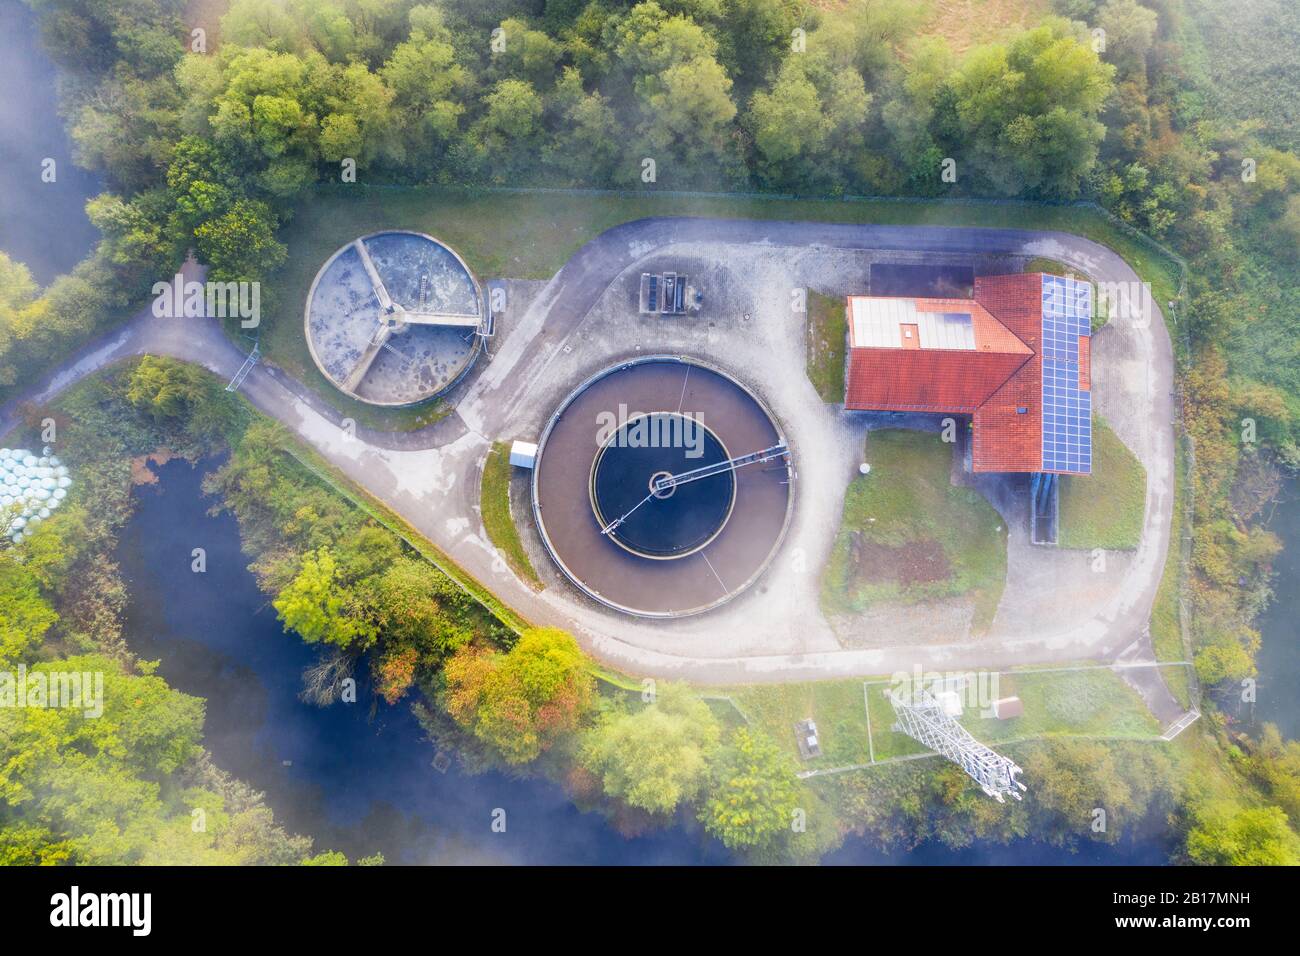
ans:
(1092, 702)
(530, 235)
(908, 535)
(837, 707)
(1104, 509)
(827, 328)
(494, 503)
(1166, 630)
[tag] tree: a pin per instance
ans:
(523, 701)
(690, 106)
(136, 240)
(240, 245)
(359, 122)
(788, 121)
(320, 606)
(750, 797)
(175, 392)
(263, 23)
(647, 40)
(1289, 224)
(908, 113)
(124, 126)
(145, 729)
(1130, 32)
(808, 127)
(428, 84)
(584, 143)
(164, 389)
(670, 65)
(396, 672)
(1276, 764)
(1074, 776)
(1225, 834)
(756, 35)
(25, 615)
(328, 858)
(529, 54)
(412, 608)
(654, 757)
(874, 30)
(1223, 659)
(264, 116)
(22, 844)
(18, 313)
(1026, 113)
(506, 138)
(201, 183)
(120, 786)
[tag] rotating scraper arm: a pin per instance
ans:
(668, 482)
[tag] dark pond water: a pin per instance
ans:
(1279, 652)
(359, 777)
(42, 224)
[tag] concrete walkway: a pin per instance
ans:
(431, 476)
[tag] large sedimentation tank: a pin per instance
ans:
(393, 318)
(661, 487)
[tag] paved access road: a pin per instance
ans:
(430, 476)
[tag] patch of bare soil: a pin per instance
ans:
(917, 562)
(142, 474)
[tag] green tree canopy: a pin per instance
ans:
(654, 757)
(320, 606)
(1225, 834)
(523, 701)
(1026, 113)
(25, 615)
(750, 798)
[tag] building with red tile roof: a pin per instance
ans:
(1015, 357)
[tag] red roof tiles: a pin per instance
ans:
(925, 380)
(998, 383)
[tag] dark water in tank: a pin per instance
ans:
(359, 777)
(42, 224)
(675, 522)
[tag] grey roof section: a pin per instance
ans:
(946, 330)
(392, 318)
(876, 324)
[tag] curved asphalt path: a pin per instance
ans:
(430, 476)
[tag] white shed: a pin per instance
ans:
(523, 454)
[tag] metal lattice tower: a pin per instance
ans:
(923, 719)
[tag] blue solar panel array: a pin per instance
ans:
(1067, 409)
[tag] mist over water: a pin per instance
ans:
(359, 777)
(1279, 651)
(42, 225)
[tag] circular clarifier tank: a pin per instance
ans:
(393, 318)
(635, 501)
(642, 495)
